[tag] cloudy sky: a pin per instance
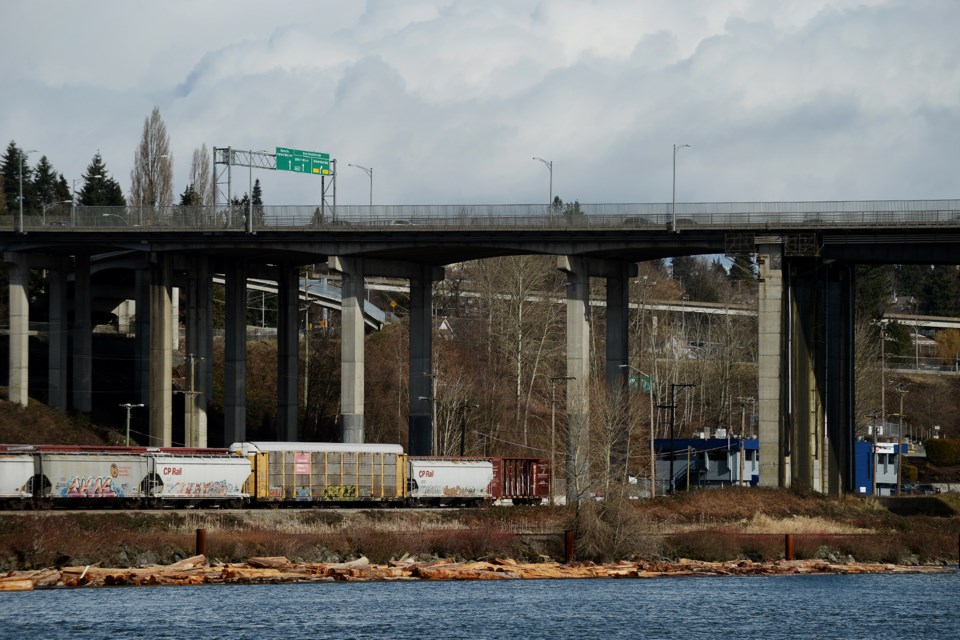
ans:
(449, 100)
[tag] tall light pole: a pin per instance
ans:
(23, 157)
(549, 165)
(553, 432)
(653, 452)
(673, 206)
(902, 390)
(129, 406)
(369, 172)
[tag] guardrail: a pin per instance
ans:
(653, 216)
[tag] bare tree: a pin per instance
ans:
(151, 179)
(200, 175)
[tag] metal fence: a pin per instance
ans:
(652, 216)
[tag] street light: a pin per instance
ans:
(673, 413)
(369, 172)
(553, 432)
(653, 452)
(549, 165)
(673, 206)
(23, 157)
(43, 209)
(117, 216)
(129, 406)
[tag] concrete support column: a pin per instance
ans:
(351, 349)
(422, 384)
(57, 363)
(235, 355)
(771, 364)
(160, 404)
(142, 335)
(617, 374)
(840, 314)
(805, 417)
(578, 369)
(82, 336)
(288, 353)
(199, 341)
(19, 274)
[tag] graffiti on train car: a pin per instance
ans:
(91, 487)
(212, 489)
(340, 491)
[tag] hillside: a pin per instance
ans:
(39, 424)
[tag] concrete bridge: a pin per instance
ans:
(806, 253)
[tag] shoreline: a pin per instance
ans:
(280, 570)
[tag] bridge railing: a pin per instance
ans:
(652, 216)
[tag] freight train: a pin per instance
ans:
(261, 474)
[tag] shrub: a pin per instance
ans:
(943, 452)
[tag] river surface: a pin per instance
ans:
(725, 608)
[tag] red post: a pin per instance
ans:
(201, 542)
(788, 546)
(568, 545)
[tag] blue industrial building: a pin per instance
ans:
(716, 462)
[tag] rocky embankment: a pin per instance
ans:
(277, 570)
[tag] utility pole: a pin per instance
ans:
(129, 406)
(673, 418)
(901, 389)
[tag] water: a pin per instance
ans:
(861, 606)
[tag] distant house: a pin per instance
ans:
(883, 464)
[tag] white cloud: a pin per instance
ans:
(449, 100)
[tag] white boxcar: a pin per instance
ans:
(16, 469)
(200, 477)
(90, 475)
(450, 480)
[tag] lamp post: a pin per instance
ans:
(653, 452)
(549, 165)
(553, 432)
(23, 157)
(43, 210)
(129, 406)
(673, 206)
(114, 215)
(673, 413)
(369, 172)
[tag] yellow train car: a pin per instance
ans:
(324, 473)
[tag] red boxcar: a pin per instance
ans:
(521, 480)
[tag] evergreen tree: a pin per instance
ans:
(873, 289)
(257, 202)
(10, 168)
(45, 183)
(100, 190)
(189, 197)
(742, 269)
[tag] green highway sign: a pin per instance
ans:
(312, 162)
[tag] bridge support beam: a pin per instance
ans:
(82, 336)
(821, 370)
(772, 365)
(57, 360)
(160, 404)
(806, 371)
(288, 353)
(352, 359)
(578, 271)
(618, 276)
(422, 384)
(235, 354)
(19, 376)
(199, 344)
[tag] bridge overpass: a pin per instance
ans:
(806, 252)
